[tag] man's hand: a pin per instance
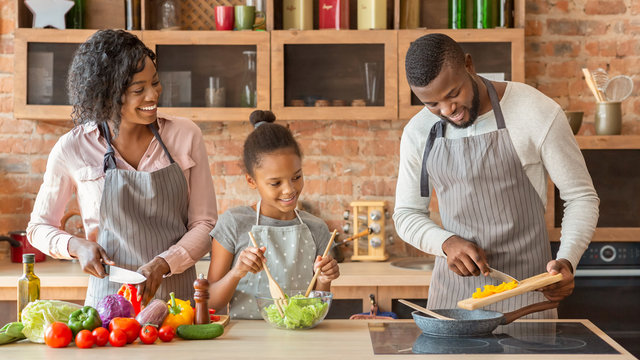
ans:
(153, 271)
(90, 255)
(464, 257)
(563, 288)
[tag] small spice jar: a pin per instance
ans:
(358, 102)
(322, 102)
(297, 102)
(338, 102)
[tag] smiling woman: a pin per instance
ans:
(126, 163)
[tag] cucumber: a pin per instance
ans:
(200, 332)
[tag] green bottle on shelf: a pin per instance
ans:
(484, 14)
(75, 16)
(28, 284)
(457, 14)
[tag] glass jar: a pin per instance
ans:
(248, 93)
(215, 94)
(167, 15)
(28, 284)
(457, 14)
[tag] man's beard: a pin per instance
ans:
(473, 112)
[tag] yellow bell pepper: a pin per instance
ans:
(180, 312)
(492, 289)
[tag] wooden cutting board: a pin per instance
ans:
(532, 283)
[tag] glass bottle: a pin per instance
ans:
(28, 284)
(457, 14)
(483, 14)
(248, 85)
(132, 14)
(505, 13)
(75, 16)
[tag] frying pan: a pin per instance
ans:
(473, 322)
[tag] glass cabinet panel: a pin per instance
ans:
(47, 72)
(207, 75)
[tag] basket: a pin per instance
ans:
(200, 15)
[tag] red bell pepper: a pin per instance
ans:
(130, 293)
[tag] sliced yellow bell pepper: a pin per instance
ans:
(180, 312)
(492, 289)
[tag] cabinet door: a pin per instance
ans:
(203, 73)
(497, 54)
(334, 74)
(42, 59)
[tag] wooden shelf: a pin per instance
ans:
(609, 142)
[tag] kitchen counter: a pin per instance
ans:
(64, 280)
(253, 339)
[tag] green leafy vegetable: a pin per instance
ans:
(300, 313)
(39, 314)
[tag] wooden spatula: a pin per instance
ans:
(532, 283)
(276, 291)
(315, 276)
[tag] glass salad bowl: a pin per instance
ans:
(298, 312)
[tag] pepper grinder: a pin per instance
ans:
(201, 296)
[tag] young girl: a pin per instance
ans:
(291, 241)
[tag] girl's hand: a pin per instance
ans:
(249, 260)
(328, 269)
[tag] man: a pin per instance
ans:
(486, 148)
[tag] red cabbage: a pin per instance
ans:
(113, 306)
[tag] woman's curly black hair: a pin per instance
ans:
(265, 138)
(101, 70)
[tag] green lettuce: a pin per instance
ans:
(39, 314)
(299, 313)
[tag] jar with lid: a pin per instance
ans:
(248, 95)
(28, 284)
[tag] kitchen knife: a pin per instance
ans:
(499, 275)
(123, 276)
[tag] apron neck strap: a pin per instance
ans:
(495, 103)
(258, 213)
(109, 161)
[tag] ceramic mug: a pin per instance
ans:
(246, 17)
(372, 14)
(224, 17)
(608, 119)
(297, 14)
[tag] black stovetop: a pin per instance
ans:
(521, 337)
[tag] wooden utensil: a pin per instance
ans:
(532, 283)
(358, 235)
(424, 310)
(315, 276)
(276, 291)
(592, 85)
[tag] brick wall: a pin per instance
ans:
(349, 160)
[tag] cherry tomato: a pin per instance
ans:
(130, 326)
(166, 333)
(117, 338)
(58, 335)
(101, 335)
(149, 334)
(84, 339)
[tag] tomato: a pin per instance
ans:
(166, 333)
(101, 335)
(58, 335)
(130, 326)
(149, 334)
(84, 339)
(117, 338)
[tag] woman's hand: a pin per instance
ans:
(563, 288)
(249, 260)
(153, 271)
(464, 257)
(90, 255)
(328, 267)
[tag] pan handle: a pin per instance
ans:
(516, 314)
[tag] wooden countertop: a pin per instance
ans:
(64, 280)
(255, 339)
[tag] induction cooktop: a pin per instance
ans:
(520, 337)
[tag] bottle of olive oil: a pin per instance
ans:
(28, 284)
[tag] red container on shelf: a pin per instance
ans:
(333, 14)
(20, 245)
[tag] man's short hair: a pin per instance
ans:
(428, 54)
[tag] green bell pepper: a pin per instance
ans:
(86, 318)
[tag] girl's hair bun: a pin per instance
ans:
(261, 116)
